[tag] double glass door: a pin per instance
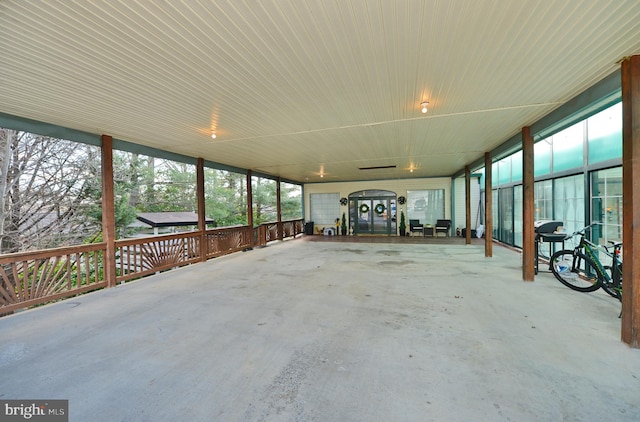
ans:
(373, 215)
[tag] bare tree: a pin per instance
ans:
(44, 185)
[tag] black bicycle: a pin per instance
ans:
(581, 269)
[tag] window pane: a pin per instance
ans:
(506, 215)
(542, 192)
(569, 202)
(516, 167)
(482, 178)
(568, 148)
(517, 215)
(325, 208)
(427, 206)
(504, 171)
(542, 157)
(494, 174)
(494, 213)
(606, 204)
(605, 134)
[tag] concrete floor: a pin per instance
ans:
(330, 331)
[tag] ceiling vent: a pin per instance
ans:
(377, 168)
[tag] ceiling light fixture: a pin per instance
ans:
(423, 106)
(213, 134)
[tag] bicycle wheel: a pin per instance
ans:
(574, 270)
(612, 287)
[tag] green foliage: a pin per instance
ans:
(290, 202)
(225, 197)
(264, 201)
(403, 225)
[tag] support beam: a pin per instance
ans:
(488, 207)
(279, 210)
(108, 211)
(202, 222)
(250, 207)
(528, 241)
(467, 204)
(631, 200)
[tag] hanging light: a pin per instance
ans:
(423, 107)
(213, 134)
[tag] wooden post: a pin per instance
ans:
(279, 210)
(528, 241)
(467, 204)
(202, 219)
(108, 211)
(488, 207)
(631, 200)
(252, 240)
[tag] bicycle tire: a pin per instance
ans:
(614, 291)
(582, 277)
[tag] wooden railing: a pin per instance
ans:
(148, 255)
(283, 230)
(33, 278)
(226, 240)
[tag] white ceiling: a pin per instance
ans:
(299, 88)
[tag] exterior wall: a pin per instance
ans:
(399, 186)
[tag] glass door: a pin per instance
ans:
(363, 214)
(379, 216)
(373, 216)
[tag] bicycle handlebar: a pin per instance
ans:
(615, 245)
(582, 230)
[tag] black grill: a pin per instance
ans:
(547, 231)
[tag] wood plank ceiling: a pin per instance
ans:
(300, 89)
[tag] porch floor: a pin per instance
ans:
(306, 330)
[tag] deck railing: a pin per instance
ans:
(226, 240)
(33, 278)
(142, 256)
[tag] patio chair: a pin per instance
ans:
(443, 226)
(415, 227)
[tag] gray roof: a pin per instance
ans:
(171, 219)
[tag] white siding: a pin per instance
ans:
(399, 186)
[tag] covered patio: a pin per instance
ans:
(320, 331)
(311, 93)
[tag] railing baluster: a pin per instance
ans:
(31, 278)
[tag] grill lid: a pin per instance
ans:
(547, 226)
